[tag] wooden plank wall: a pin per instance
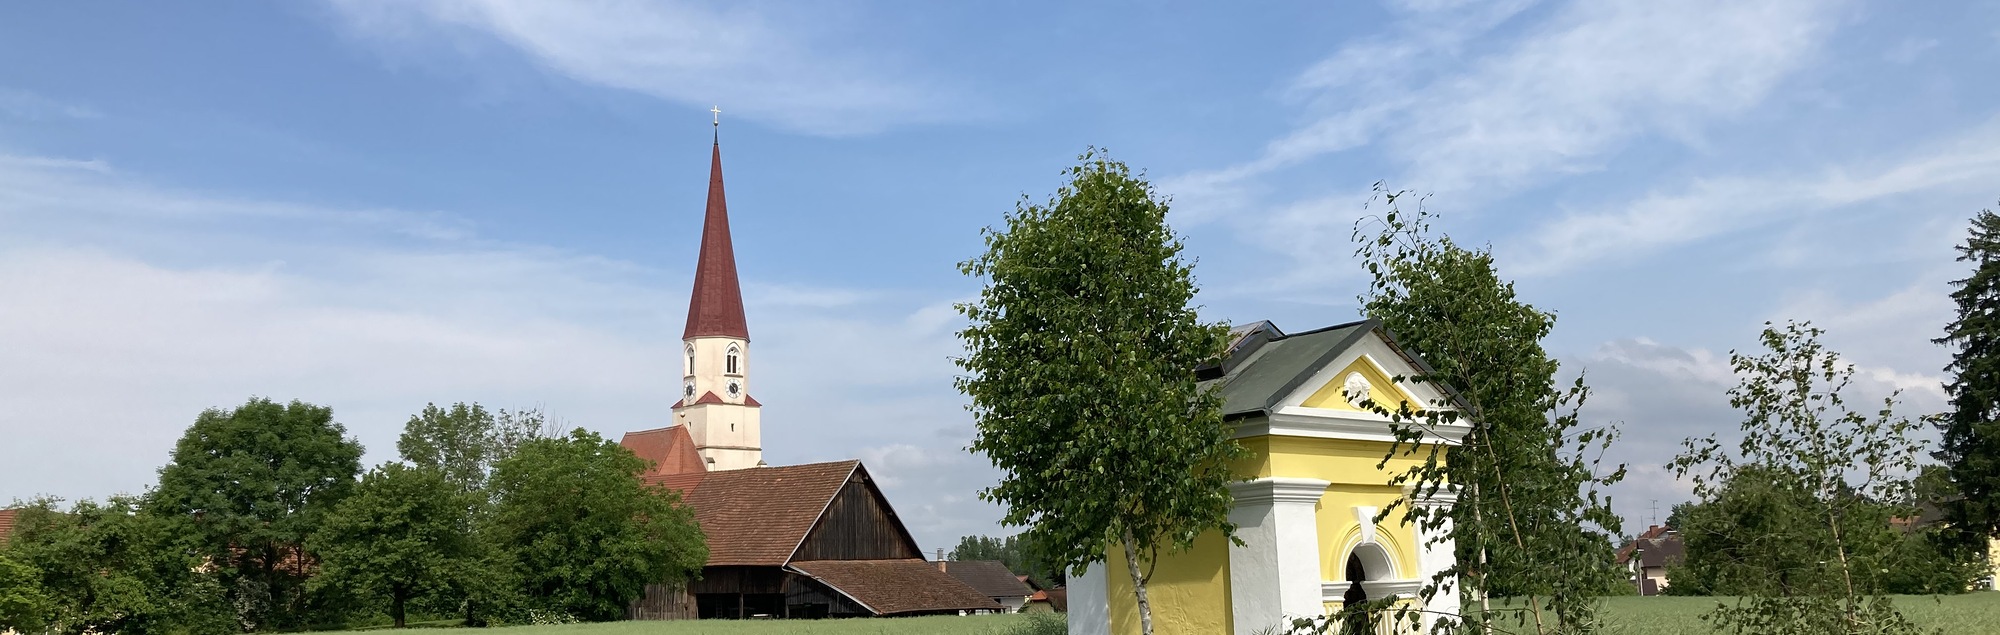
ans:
(857, 526)
(662, 602)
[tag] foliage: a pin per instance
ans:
(1081, 356)
(464, 441)
(1014, 551)
(1816, 483)
(24, 608)
(581, 533)
(1041, 624)
(1529, 521)
(1970, 444)
(105, 568)
(251, 484)
(403, 533)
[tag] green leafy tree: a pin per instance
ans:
(584, 536)
(1530, 520)
(1970, 444)
(463, 442)
(404, 533)
(1014, 551)
(105, 568)
(1830, 479)
(1081, 356)
(24, 608)
(252, 484)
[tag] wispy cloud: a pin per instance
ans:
(764, 66)
(35, 107)
(1724, 204)
(1553, 101)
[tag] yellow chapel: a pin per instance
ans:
(1306, 505)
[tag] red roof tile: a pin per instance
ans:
(7, 518)
(670, 450)
(758, 516)
(989, 577)
(890, 587)
(716, 308)
(750, 401)
(708, 397)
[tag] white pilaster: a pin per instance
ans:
(1089, 603)
(1275, 574)
(1435, 553)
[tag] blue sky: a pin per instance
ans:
(373, 205)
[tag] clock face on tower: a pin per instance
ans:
(735, 388)
(687, 391)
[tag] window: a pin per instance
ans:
(729, 364)
(690, 354)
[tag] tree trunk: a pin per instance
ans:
(1138, 585)
(396, 610)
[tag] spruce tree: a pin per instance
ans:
(1971, 429)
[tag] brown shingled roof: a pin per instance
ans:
(7, 519)
(758, 516)
(889, 587)
(716, 306)
(670, 450)
(990, 577)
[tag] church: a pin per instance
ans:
(1307, 503)
(794, 541)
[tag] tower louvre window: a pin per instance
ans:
(690, 354)
(729, 364)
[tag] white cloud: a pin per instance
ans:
(1576, 86)
(762, 65)
(1720, 205)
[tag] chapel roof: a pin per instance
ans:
(890, 587)
(7, 519)
(1263, 365)
(716, 306)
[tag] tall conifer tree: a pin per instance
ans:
(1971, 430)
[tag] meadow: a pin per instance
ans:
(1970, 614)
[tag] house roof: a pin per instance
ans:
(669, 450)
(759, 516)
(1059, 599)
(890, 587)
(7, 519)
(1657, 547)
(989, 577)
(716, 306)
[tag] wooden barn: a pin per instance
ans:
(797, 541)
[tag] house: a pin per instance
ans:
(1647, 557)
(1311, 491)
(991, 579)
(1054, 600)
(795, 541)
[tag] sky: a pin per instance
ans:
(373, 206)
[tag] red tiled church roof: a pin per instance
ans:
(889, 587)
(670, 450)
(716, 308)
(7, 519)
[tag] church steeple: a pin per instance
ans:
(716, 308)
(721, 417)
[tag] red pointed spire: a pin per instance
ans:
(716, 309)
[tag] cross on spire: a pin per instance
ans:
(718, 115)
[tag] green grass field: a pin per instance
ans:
(1971, 614)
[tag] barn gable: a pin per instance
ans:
(858, 524)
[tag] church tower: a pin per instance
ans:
(715, 403)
